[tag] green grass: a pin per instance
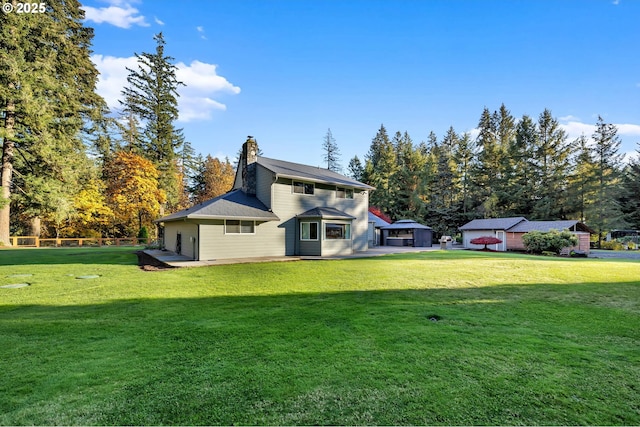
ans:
(520, 340)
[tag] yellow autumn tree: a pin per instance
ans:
(92, 216)
(133, 192)
(214, 179)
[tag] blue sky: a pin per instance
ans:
(286, 71)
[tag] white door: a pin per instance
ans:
(501, 246)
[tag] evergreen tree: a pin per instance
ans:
(488, 167)
(47, 95)
(331, 152)
(582, 182)
(356, 170)
(406, 181)
(630, 198)
(379, 168)
(606, 212)
(152, 95)
(463, 157)
(520, 169)
(552, 168)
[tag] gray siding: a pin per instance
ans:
(287, 205)
(189, 232)
(263, 185)
(268, 240)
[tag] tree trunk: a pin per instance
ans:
(6, 173)
(36, 226)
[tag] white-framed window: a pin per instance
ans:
(300, 187)
(309, 231)
(337, 231)
(344, 193)
(235, 226)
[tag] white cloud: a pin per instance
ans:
(575, 129)
(158, 21)
(200, 30)
(118, 13)
(113, 77)
(197, 98)
(616, 2)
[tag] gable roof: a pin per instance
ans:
(310, 173)
(404, 224)
(377, 221)
(234, 205)
(545, 226)
(325, 212)
(493, 223)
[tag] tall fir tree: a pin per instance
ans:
(606, 212)
(488, 166)
(47, 95)
(552, 167)
(331, 152)
(520, 169)
(355, 168)
(379, 168)
(582, 182)
(629, 198)
(152, 95)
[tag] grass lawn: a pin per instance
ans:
(514, 340)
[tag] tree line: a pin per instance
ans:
(72, 168)
(514, 167)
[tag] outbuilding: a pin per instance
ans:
(407, 232)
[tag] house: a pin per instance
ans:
(407, 232)
(275, 208)
(511, 230)
(375, 225)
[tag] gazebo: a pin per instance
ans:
(407, 232)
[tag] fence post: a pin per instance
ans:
(37, 242)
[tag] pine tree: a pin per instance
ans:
(47, 95)
(152, 95)
(630, 198)
(582, 182)
(331, 152)
(551, 168)
(606, 212)
(379, 168)
(356, 170)
(487, 169)
(463, 157)
(520, 169)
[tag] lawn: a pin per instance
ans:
(446, 337)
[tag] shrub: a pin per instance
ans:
(613, 245)
(143, 233)
(538, 242)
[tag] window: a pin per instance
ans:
(234, 226)
(334, 231)
(344, 193)
(308, 231)
(303, 187)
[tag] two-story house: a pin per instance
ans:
(275, 208)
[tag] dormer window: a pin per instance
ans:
(303, 188)
(344, 193)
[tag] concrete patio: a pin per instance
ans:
(174, 260)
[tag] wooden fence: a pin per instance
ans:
(36, 242)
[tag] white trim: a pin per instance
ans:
(317, 231)
(304, 183)
(240, 225)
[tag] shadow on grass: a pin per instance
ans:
(535, 354)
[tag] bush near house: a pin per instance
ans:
(538, 242)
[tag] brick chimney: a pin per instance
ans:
(248, 164)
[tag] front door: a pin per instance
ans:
(179, 244)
